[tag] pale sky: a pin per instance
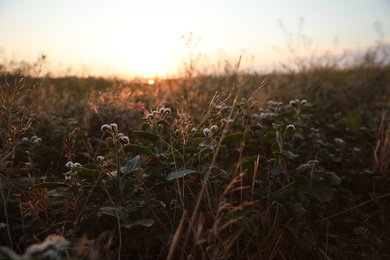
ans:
(143, 37)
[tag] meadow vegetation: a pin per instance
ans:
(290, 165)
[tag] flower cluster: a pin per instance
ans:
(158, 114)
(209, 131)
(109, 128)
(34, 140)
(298, 103)
(70, 165)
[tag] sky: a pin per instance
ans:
(144, 38)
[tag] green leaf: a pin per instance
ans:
(146, 135)
(303, 168)
(137, 149)
(85, 172)
(49, 185)
(145, 126)
(236, 137)
(191, 150)
(332, 178)
(114, 211)
(55, 193)
(110, 142)
(180, 173)
(287, 154)
(146, 222)
(196, 135)
(131, 166)
(277, 170)
(163, 122)
(238, 127)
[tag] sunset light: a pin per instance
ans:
(144, 38)
(178, 129)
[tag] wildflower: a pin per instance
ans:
(68, 175)
(124, 139)
(206, 132)
(100, 159)
(214, 128)
(150, 116)
(231, 121)
(69, 165)
(32, 139)
(25, 140)
(37, 141)
(162, 110)
(294, 103)
(3, 226)
(141, 105)
(114, 126)
(223, 121)
(194, 129)
(76, 164)
(356, 150)
(290, 128)
(303, 102)
(339, 141)
(167, 111)
(106, 128)
(267, 116)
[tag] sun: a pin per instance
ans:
(151, 82)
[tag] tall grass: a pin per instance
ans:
(293, 164)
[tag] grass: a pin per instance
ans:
(291, 165)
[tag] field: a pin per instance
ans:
(289, 165)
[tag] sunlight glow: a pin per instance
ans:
(150, 81)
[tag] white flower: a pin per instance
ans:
(25, 140)
(124, 139)
(290, 128)
(76, 164)
(206, 132)
(69, 165)
(37, 141)
(106, 128)
(114, 126)
(214, 128)
(100, 159)
(339, 141)
(150, 116)
(356, 150)
(194, 129)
